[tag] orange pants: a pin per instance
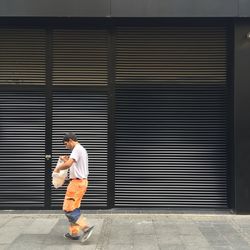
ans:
(72, 202)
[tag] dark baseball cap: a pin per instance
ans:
(69, 136)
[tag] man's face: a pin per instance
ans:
(68, 144)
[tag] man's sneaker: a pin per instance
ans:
(69, 236)
(87, 233)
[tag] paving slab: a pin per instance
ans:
(126, 231)
(40, 226)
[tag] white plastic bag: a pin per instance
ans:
(59, 178)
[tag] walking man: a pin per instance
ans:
(77, 163)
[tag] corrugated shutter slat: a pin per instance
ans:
(86, 115)
(171, 117)
(80, 57)
(171, 55)
(22, 56)
(22, 150)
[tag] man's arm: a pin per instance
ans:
(65, 165)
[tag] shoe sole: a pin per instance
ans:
(68, 238)
(89, 234)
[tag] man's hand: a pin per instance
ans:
(56, 170)
(64, 158)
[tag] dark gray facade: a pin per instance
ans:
(232, 14)
(125, 8)
(174, 8)
(75, 8)
(242, 118)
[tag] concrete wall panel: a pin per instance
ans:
(55, 8)
(244, 8)
(174, 8)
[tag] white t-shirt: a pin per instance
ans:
(79, 168)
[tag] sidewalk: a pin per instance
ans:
(33, 230)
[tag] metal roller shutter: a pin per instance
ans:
(189, 55)
(171, 117)
(22, 56)
(80, 57)
(22, 149)
(85, 114)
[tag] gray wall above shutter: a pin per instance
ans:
(174, 8)
(124, 8)
(57, 8)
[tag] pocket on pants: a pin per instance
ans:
(69, 200)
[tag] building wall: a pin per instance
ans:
(174, 8)
(242, 117)
(126, 8)
(236, 12)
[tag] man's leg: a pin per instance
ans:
(75, 192)
(73, 216)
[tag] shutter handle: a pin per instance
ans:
(47, 157)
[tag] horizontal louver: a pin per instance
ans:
(22, 56)
(86, 115)
(22, 149)
(170, 114)
(80, 57)
(171, 55)
(171, 146)
(171, 117)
